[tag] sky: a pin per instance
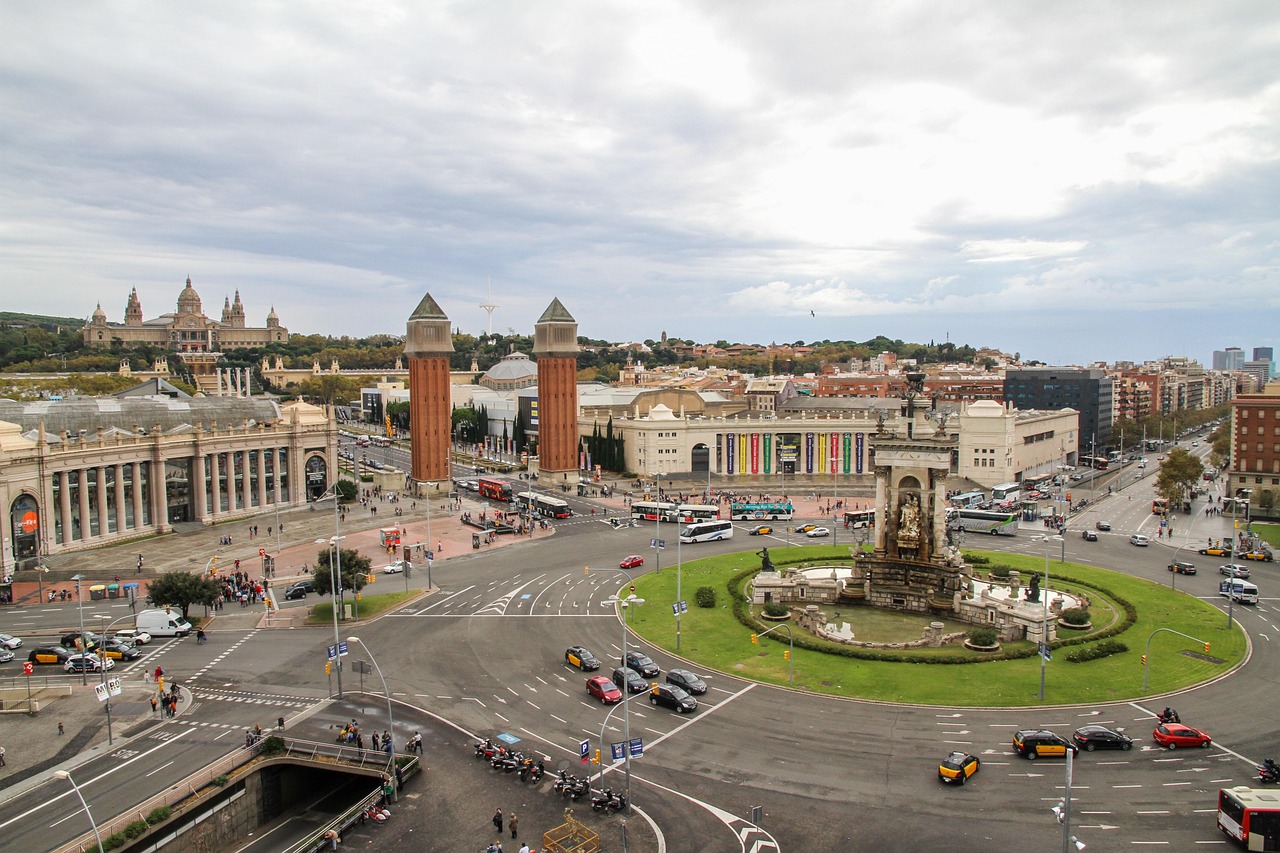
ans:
(1071, 181)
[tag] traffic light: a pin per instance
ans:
(328, 667)
(371, 577)
(1206, 648)
(654, 690)
(1144, 660)
(755, 639)
(213, 565)
(596, 759)
(786, 655)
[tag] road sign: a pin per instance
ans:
(675, 609)
(114, 687)
(684, 605)
(361, 666)
(637, 747)
(28, 668)
(332, 651)
(262, 552)
(584, 750)
(1044, 651)
(342, 649)
(618, 751)
(658, 543)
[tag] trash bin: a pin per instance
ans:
(97, 592)
(113, 590)
(475, 540)
(129, 590)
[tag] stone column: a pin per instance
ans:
(159, 495)
(275, 474)
(939, 534)
(199, 479)
(215, 485)
(232, 492)
(64, 506)
(884, 510)
(137, 496)
(262, 478)
(121, 518)
(555, 343)
(428, 345)
(104, 516)
(84, 504)
(245, 483)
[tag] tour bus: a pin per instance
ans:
(1238, 590)
(983, 521)
(653, 510)
(1159, 506)
(859, 518)
(968, 499)
(760, 511)
(1010, 492)
(1250, 816)
(497, 490)
(707, 531)
(688, 513)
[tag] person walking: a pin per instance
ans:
(497, 820)
(1, 756)
(512, 822)
(61, 729)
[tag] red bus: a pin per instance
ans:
(1159, 506)
(1250, 816)
(497, 490)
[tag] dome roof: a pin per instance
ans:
(98, 313)
(188, 299)
(512, 367)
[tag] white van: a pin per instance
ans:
(1238, 590)
(162, 623)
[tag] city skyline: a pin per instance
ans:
(1071, 184)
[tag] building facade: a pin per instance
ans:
(1088, 390)
(1255, 451)
(187, 330)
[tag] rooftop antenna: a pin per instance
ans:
(489, 305)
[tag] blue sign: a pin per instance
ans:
(342, 648)
(637, 747)
(1044, 651)
(618, 751)
(584, 750)
(658, 543)
(684, 606)
(675, 609)
(506, 738)
(333, 651)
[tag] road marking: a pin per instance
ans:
(1174, 784)
(1126, 786)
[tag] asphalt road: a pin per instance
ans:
(486, 653)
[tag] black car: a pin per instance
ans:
(641, 663)
(581, 658)
(629, 680)
(72, 641)
(1089, 536)
(1182, 567)
(686, 680)
(298, 590)
(1101, 737)
(675, 698)
(120, 651)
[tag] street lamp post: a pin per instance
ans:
(63, 774)
(629, 601)
(657, 521)
(1044, 619)
(102, 659)
(791, 657)
(391, 720)
(335, 579)
(84, 676)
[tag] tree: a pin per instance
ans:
(183, 589)
(353, 565)
(330, 388)
(1179, 471)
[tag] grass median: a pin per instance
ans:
(370, 606)
(714, 639)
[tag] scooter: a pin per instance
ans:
(1269, 771)
(485, 748)
(607, 801)
(535, 772)
(1168, 715)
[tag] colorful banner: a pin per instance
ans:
(730, 453)
(808, 453)
(768, 453)
(755, 453)
(742, 452)
(847, 445)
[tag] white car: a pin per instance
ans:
(394, 569)
(817, 532)
(132, 635)
(9, 641)
(1139, 539)
(1234, 570)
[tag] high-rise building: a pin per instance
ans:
(1266, 354)
(1231, 358)
(1088, 390)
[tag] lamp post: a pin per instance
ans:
(335, 577)
(657, 521)
(63, 774)
(791, 662)
(629, 601)
(103, 660)
(84, 676)
(391, 720)
(1044, 619)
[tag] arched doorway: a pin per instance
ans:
(24, 517)
(317, 474)
(701, 459)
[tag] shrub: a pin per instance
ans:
(159, 814)
(273, 745)
(976, 559)
(775, 610)
(135, 828)
(705, 596)
(219, 781)
(1104, 649)
(1075, 616)
(982, 637)
(1001, 572)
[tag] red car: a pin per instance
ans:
(1174, 735)
(604, 690)
(631, 562)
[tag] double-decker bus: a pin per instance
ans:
(1250, 816)
(760, 511)
(1098, 463)
(1159, 506)
(968, 499)
(544, 505)
(707, 531)
(497, 490)
(689, 513)
(653, 510)
(1006, 492)
(859, 518)
(983, 521)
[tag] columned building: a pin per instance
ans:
(555, 344)
(428, 344)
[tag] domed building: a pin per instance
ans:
(512, 373)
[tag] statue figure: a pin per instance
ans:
(1033, 593)
(909, 518)
(766, 565)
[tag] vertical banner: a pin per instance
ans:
(808, 453)
(835, 452)
(858, 440)
(823, 461)
(755, 453)
(742, 452)
(730, 453)
(846, 446)
(768, 453)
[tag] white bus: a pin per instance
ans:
(707, 531)
(966, 500)
(1238, 590)
(855, 519)
(689, 513)
(1007, 492)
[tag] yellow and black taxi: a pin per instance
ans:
(88, 641)
(1261, 554)
(581, 658)
(958, 767)
(48, 655)
(1039, 743)
(761, 530)
(805, 528)
(117, 650)
(1216, 551)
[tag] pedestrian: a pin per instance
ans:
(332, 837)
(139, 564)
(1, 756)
(497, 820)
(417, 743)
(61, 730)
(524, 848)
(512, 822)
(154, 704)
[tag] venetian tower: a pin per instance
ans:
(428, 345)
(555, 345)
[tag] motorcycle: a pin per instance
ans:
(485, 748)
(1168, 715)
(608, 801)
(532, 771)
(508, 763)
(569, 787)
(1269, 771)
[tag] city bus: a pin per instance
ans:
(1098, 463)
(688, 513)
(544, 505)
(859, 518)
(968, 499)
(771, 510)
(1006, 492)
(1250, 816)
(1159, 506)
(983, 521)
(707, 531)
(653, 510)
(497, 490)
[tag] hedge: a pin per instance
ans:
(1106, 648)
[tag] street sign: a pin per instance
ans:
(28, 668)
(332, 651)
(114, 687)
(675, 609)
(618, 751)
(342, 649)
(684, 606)
(262, 552)
(657, 543)
(507, 738)
(361, 666)
(1044, 651)
(637, 747)
(584, 750)
(101, 691)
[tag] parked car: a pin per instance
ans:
(1140, 540)
(1234, 570)
(581, 658)
(1258, 554)
(604, 690)
(958, 767)
(631, 562)
(1101, 737)
(298, 590)
(48, 655)
(686, 680)
(1039, 743)
(1216, 551)
(119, 651)
(817, 532)
(628, 679)
(675, 698)
(1174, 735)
(6, 655)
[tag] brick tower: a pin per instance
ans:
(555, 345)
(428, 345)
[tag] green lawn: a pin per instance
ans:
(1269, 532)
(370, 606)
(713, 639)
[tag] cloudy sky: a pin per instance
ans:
(1070, 180)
